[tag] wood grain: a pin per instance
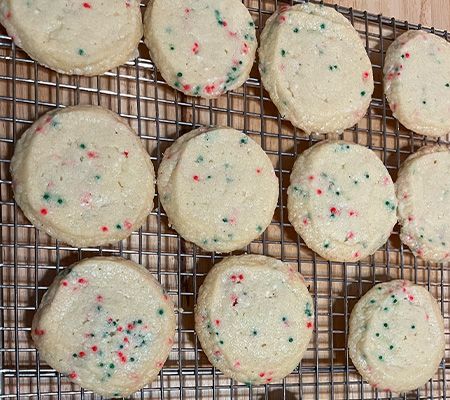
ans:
(432, 13)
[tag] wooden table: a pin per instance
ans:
(426, 12)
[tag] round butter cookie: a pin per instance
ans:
(396, 339)
(315, 68)
(341, 200)
(106, 323)
(201, 47)
(254, 318)
(417, 82)
(82, 175)
(218, 188)
(75, 37)
(423, 192)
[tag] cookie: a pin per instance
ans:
(75, 37)
(341, 200)
(254, 318)
(218, 188)
(423, 192)
(82, 175)
(417, 82)
(396, 339)
(315, 68)
(201, 47)
(107, 324)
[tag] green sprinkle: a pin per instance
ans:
(60, 201)
(177, 84)
(234, 69)
(220, 341)
(244, 140)
(391, 347)
(101, 365)
(322, 26)
(139, 321)
(380, 357)
(283, 52)
(395, 301)
(172, 47)
(82, 146)
(112, 366)
(74, 355)
(46, 196)
(372, 301)
(326, 244)
(291, 340)
(121, 346)
(118, 226)
(377, 334)
(160, 311)
(209, 177)
(259, 228)
(132, 359)
(81, 52)
(413, 327)
(385, 325)
(386, 309)
(367, 176)
(424, 102)
(295, 30)
(447, 85)
(199, 159)
(225, 220)
(97, 177)
(284, 319)
(255, 332)
(363, 93)
(251, 23)
(179, 74)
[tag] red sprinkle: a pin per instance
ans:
(269, 380)
(125, 153)
(39, 332)
(196, 178)
(233, 278)
(127, 224)
(120, 328)
(104, 228)
(94, 348)
(210, 88)
(187, 10)
(44, 211)
(245, 49)
(258, 170)
(217, 322)
(407, 55)
(65, 283)
(81, 354)
(365, 74)
(305, 221)
(87, 5)
(82, 281)
(411, 298)
(241, 277)
(319, 191)
(100, 298)
(186, 87)
(309, 325)
(92, 154)
(195, 48)
(73, 375)
(282, 18)
(261, 374)
(126, 340)
(8, 15)
(357, 254)
(352, 213)
(130, 327)
(410, 218)
(311, 177)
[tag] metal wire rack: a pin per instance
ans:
(30, 259)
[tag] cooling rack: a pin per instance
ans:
(30, 259)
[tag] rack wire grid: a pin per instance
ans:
(30, 259)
